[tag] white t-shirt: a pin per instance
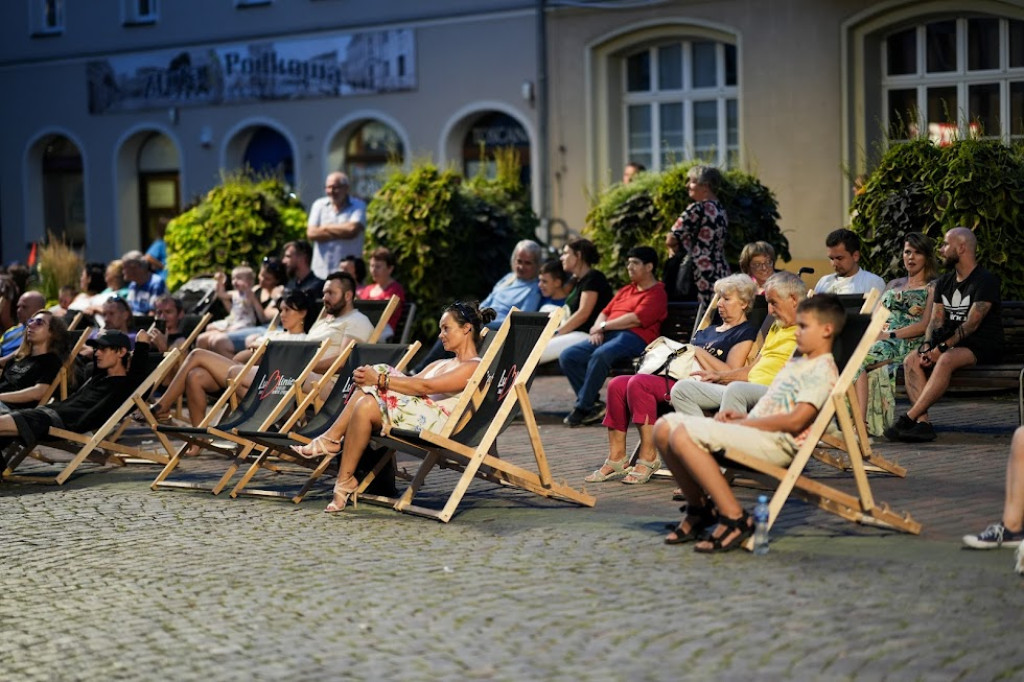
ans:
(327, 255)
(354, 325)
(860, 283)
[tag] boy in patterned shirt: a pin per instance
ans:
(773, 431)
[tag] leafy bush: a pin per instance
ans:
(978, 184)
(241, 220)
(451, 239)
(642, 212)
(59, 265)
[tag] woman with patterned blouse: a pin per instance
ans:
(701, 231)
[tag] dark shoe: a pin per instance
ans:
(574, 418)
(595, 414)
(698, 518)
(734, 532)
(899, 426)
(920, 432)
(994, 537)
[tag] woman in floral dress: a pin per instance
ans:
(909, 300)
(701, 231)
(423, 401)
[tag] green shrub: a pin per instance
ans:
(239, 221)
(917, 186)
(451, 239)
(642, 212)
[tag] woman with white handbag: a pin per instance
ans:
(635, 398)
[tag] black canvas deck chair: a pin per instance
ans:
(104, 445)
(283, 368)
(378, 312)
(277, 443)
(496, 392)
(859, 333)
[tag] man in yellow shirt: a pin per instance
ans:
(740, 389)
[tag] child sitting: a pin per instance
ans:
(241, 301)
(773, 431)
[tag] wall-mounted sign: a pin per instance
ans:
(346, 64)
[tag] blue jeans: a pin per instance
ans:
(586, 366)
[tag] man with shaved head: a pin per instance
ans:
(336, 226)
(965, 329)
(30, 303)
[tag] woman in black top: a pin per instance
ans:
(30, 370)
(588, 298)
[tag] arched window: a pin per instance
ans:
(63, 190)
(159, 184)
(952, 77)
(680, 101)
(368, 150)
(489, 132)
(269, 152)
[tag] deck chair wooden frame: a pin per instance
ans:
(874, 462)
(207, 432)
(63, 379)
(861, 506)
(278, 443)
(388, 309)
(105, 438)
(480, 460)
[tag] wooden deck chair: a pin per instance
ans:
(104, 438)
(406, 323)
(874, 462)
(379, 312)
(282, 370)
(63, 379)
(851, 348)
(498, 388)
(279, 442)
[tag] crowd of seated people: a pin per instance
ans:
(930, 334)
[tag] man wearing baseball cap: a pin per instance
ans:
(115, 376)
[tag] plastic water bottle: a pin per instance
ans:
(761, 526)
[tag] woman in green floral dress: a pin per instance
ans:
(909, 301)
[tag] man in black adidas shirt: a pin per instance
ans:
(965, 329)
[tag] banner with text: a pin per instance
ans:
(361, 63)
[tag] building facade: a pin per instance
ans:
(122, 112)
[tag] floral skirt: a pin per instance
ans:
(881, 409)
(412, 412)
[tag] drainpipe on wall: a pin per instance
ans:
(543, 209)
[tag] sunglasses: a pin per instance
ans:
(35, 321)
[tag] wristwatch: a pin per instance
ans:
(892, 335)
(603, 325)
(942, 347)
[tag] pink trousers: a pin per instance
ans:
(635, 397)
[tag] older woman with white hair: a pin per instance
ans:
(701, 232)
(636, 398)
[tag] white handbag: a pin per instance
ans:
(665, 357)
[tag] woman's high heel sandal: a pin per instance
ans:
(318, 447)
(334, 506)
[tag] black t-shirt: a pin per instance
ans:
(957, 297)
(595, 281)
(26, 373)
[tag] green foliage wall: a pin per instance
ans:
(978, 184)
(642, 212)
(451, 238)
(241, 220)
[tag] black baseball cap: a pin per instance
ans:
(110, 338)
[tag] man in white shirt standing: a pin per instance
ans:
(844, 253)
(337, 223)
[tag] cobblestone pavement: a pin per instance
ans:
(105, 579)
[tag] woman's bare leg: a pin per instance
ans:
(363, 420)
(216, 365)
(1013, 507)
(861, 386)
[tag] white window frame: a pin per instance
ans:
(687, 95)
(960, 78)
(37, 12)
(133, 14)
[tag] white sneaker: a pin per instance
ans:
(1019, 566)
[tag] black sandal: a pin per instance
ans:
(745, 527)
(705, 517)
